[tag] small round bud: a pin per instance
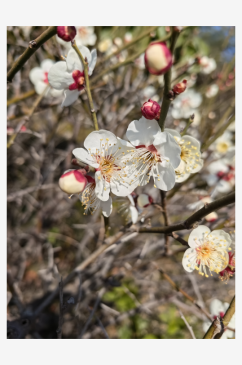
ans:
(72, 182)
(144, 200)
(151, 110)
(158, 58)
(66, 33)
(180, 87)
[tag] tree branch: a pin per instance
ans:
(33, 46)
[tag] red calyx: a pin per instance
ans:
(79, 80)
(66, 33)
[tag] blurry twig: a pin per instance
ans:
(187, 324)
(21, 97)
(11, 197)
(166, 220)
(191, 119)
(59, 330)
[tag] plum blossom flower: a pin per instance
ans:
(85, 36)
(39, 77)
(91, 202)
(208, 251)
(191, 161)
(207, 64)
(217, 308)
(107, 155)
(68, 75)
(211, 217)
(222, 144)
(155, 153)
(212, 91)
(186, 104)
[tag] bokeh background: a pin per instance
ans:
(120, 294)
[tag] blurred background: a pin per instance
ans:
(120, 294)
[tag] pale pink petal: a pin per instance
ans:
(197, 236)
(70, 97)
(58, 76)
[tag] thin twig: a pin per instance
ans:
(59, 330)
(187, 324)
(166, 219)
(87, 84)
(21, 97)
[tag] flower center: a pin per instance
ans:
(222, 147)
(46, 81)
(204, 251)
(79, 80)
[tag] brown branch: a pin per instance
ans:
(166, 219)
(33, 46)
(194, 218)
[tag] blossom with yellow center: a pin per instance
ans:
(208, 251)
(108, 155)
(155, 154)
(191, 160)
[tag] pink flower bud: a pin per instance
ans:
(66, 33)
(158, 58)
(151, 110)
(144, 200)
(180, 87)
(72, 182)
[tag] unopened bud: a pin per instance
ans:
(66, 33)
(180, 87)
(158, 58)
(144, 200)
(72, 182)
(151, 110)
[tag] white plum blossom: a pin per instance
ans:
(68, 75)
(208, 251)
(207, 64)
(154, 152)
(222, 144)
(191, 161)
(212, 91)
(91, 202)
(185, 105)
(39, 77)
(217, 308)
(107, 154)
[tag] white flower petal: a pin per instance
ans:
(134, 214)
(173, 132)
(36, 75)
(197, 235)
(166, 179)
(73, 61)
(106, 207)
(102, 189)
(194, 142)
(123, 189)
(131, 199)
(219, 235)
(187, 263)
(142, 132)
(168, 147)
(94, 139)
(58, 76)
(40, 87)
(70, 97)
(92, 64)
(82, 155)
(216, 307)
(46, 65)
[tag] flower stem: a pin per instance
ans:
(34, 45)
(190, 120)
(87, 85)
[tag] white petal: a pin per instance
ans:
(82, 155)
(216, 307)
(131, 199)
(224, 186)
(94, 139)
(134, 214)
(197, 235)
(106, 207)
(219, 235)
(199, 166)
(194, 142)
(102, 189)
(56, 93)
(123, 189)
(168, 147)
(40, 87)
(187, 263)
(58, 76)
(70, 97)
(46, 65)
(167, 177)
(92, 64)
(142, 132)
(36, 75)
(173, 132)
(73, 61)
